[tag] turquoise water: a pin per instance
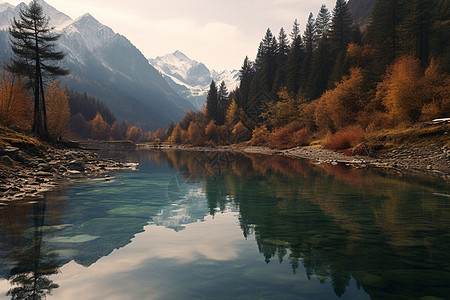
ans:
(189, 225)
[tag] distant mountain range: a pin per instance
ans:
(108, 66)
(191, 79)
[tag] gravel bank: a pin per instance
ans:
(28, 175)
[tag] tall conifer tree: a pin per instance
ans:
(212, 102)
(323, 22)
(35, 58)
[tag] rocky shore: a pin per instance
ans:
(430, 160)
(28, 174)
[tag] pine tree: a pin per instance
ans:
(222, 103)
(259, 56)
(309, 36)
(323, 22)
(341, 30)
(341, 34)
(283, 45)
(282, 55)
(246, 75)
(417, 28)
(384, 32)
(295, 31)
(212, 102)
(35, 58)
(294, 62)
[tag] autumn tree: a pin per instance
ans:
(338, 108)
(100, 129)
(282, 112)
(115, 132)
(15, 102)
(58, 110)
(196, 134)
(160, 135)
(212, 132)
(35, 58)
(134, 133)
(175, 138)
(241, 133)
(233, 114)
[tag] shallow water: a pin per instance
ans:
(204, 225)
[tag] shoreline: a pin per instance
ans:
(30, 174)
(430, 160)
(25, 175)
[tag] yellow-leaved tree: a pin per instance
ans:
(401, 86)
(100, 129)
(15, 102)
(58, 111)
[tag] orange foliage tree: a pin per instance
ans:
(339, 108)
(260, 136)
(134, 133)
(175, 138)
(212, 132)
(196, 134)
(435, 92)
(58, 111)
(401, 85)
(100, 129)
(115, 132)
(241, 133)
(15, 102)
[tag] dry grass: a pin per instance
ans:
(416, 136)
(19, 139)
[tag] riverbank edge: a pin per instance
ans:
(430, 160)
(29, 174)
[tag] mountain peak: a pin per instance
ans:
(87, 17)
(180, 54)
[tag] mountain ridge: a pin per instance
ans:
(106, 65)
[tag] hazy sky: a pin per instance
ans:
(217, 33)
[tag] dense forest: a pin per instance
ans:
(337, 78)
(340, 78)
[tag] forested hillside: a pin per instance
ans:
(332, 78)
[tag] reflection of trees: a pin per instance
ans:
(30, 277)
(338, 222)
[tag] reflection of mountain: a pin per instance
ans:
(192, 207)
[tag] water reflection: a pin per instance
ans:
(387, 234)
(32, 263)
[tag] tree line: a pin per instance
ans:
(333, 78)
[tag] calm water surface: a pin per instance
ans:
(192, 225)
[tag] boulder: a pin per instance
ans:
(77, 165)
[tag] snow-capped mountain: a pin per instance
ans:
(108, 66)
(190, 78)
(57, 19)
